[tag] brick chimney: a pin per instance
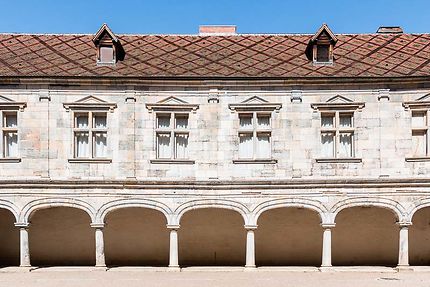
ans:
(390, 30)
(217, 30)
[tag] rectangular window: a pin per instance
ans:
(323, 52)
(106, 54)
(10, 134)
(419, 133)
(172, 135)
(90, 135)
(337, 135)
(254, 136)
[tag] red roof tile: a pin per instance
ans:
(360, 55)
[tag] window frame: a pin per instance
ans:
(337, 131)
(92, 131)
(5, 130)
(173, 132)
(255, 131)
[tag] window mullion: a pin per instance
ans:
(337, 135)
(254, 135)
(90, 134)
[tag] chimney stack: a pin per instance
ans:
(390, 30)
(205, 30)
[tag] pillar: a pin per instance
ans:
(404, 244)
(100, 245)
(173, 251)
(23, 244)
(250, 246)
(326, 250)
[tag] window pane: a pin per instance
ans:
(106, 54)
(82, 147)
(323, 53)
(11, 120)
(100, 121)
(263, 121)
(81, 121)
(163, 121)
(11, 144)
(327, 144)
(345, 145)
(181, 148)
(245, 121)
(245, 146)
(419, 146)
(163, 146)
(327, 121)
(263, 146)
(345, 121)
(181, 121)
(100, 145)
(418, 119)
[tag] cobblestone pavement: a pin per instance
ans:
(76, 278)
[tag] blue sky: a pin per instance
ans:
(184, 16)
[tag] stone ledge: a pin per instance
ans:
(338, 160)
(255, 161)
(417, 159)
(10, 160)
(172, 161)
(89, 160)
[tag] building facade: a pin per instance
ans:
(215, 149)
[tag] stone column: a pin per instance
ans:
(404, 244)
(173, 253)
(23, 244)
(250, 246)
(100, 244)
(326, 250)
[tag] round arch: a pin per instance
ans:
(210, 203)
(290, 203)
(126, 203)
(423, 203)
(5, 204)
(389, 204)
(35, 205)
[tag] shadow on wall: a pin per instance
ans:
(9, 239)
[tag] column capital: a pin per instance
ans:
(22, 224)
(250, 227)
(404, 224)
(98, 225)
(328, 225)
(173, 226)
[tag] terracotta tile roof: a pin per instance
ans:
(359, 55)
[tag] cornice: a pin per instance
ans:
(355, 183)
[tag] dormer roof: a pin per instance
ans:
(324, 33)
(103, 34)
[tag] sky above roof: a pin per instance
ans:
(184, 16)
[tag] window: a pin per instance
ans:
(323, 53)
(172, 135)
(106, 54)
(90, 135)
(337, 135)
(254, 136)
(9, 134)
(420, 128)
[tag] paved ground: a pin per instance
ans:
(130, 278)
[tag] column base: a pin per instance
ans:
(250, 268)
(174, 268)
(101, 267)
(404, 268)
(326, 268)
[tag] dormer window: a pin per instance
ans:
(323, 53)
(320, 47)
(106, 54)
(109, 49)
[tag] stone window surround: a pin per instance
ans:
(419, 106)
(351, 107)
(160, 108)
(5, 108)
(264, 108)
(83, 107)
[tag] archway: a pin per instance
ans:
(419, 238)
(61, 236)
(9, 239)
(365, 236)
(136, 236)
(288, 236)
(212, 237)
